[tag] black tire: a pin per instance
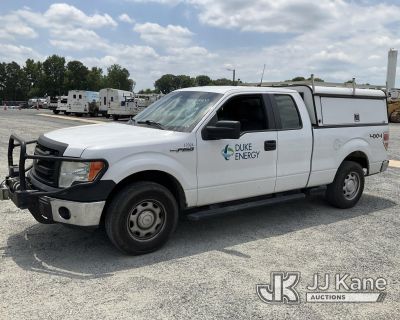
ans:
(107, 115)
(56, 111)
(115, 117)
(67, 113)
(146, 203)
(348, 186)
(35, 212)
(78, 115)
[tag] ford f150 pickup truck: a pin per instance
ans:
(198, 152)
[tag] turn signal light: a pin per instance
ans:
(94, 169)
(386, 140)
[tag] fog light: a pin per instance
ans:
(64, 213)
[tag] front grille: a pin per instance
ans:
(46, 171)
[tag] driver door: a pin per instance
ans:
(230, 169)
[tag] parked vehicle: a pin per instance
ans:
(37, 103)
(52, 104)
(62, 105)
(113, 102)
(83, 102)
(203, 152)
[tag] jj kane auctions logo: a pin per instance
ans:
(338, 288)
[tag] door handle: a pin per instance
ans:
(270, 145)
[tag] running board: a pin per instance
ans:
(235, 208)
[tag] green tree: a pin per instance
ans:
(52, 82)
(13, 84)
(95, 79)
(167, 83)
(184, 81)
(33, 75)
(202, 81)
(118, 78)
(76, 76)
(223, 82)
(298, 79)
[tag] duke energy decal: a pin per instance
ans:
(242, 151)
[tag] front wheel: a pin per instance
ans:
(56, 111)
(115, 117)
(141, 218)
(348, 186)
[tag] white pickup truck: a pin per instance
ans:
(200, 152)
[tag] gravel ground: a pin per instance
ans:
(209, 269)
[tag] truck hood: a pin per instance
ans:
(110, 136)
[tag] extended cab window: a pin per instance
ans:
(248, 110)
(74, 96)
(287, 112)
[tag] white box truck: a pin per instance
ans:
(202, 152)
(82, 102)
(113, 102)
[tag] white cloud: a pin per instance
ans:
(169, 36)
(126, 18)
(65, 14)
(18, 53)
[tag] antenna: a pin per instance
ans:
(262, 76)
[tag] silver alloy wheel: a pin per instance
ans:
(351, 185)
(146, 220)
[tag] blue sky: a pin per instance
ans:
(334, 39)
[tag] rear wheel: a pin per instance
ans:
(56, 111)
(115, 117)
(67, 113)
(348, 186)
(141, 218)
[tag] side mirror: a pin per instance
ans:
(222, 130)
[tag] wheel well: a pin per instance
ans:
(160, 177)
(359, 157)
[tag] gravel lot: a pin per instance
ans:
(210, 268)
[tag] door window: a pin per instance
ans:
(248, 110)
(287, 112)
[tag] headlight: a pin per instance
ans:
(71, 172)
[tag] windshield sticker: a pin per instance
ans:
(242, 151)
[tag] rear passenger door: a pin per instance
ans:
(294, 142)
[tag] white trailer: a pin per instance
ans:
(113, 102)
(62, 104)
(83, 102)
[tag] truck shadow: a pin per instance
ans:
(79, 254)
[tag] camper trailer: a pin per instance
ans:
(113, 102)
(82, 102)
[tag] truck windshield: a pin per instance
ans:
(179, 111)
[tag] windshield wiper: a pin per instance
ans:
(152, 123)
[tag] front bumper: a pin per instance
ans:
(84, 214)
(81, 204)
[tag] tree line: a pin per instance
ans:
(55, 76)
(169, 82)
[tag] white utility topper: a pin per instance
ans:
(113, 102)
(82, 102)
(201, 152)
